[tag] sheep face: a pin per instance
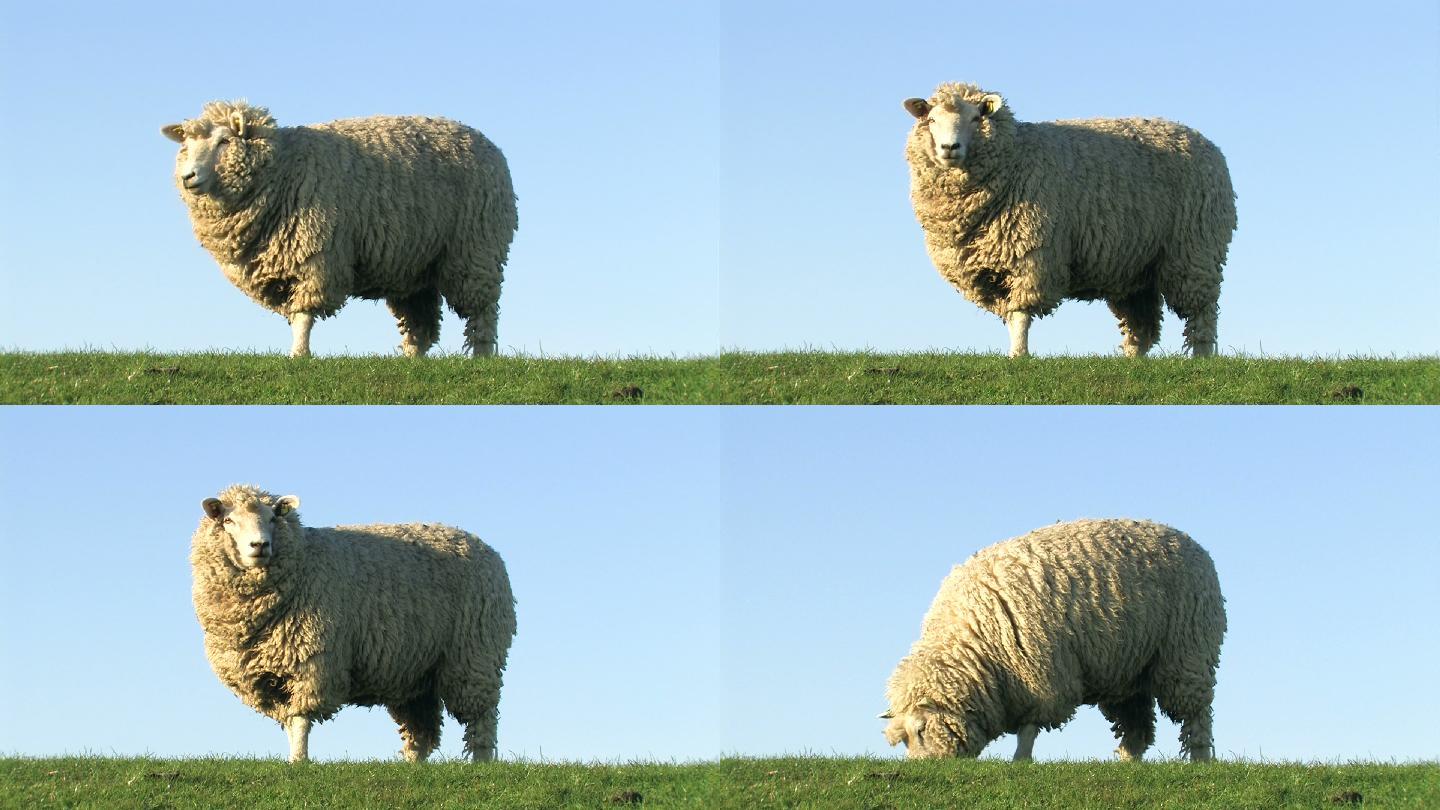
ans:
(215, 163)
(926, 734)
(952, 126)
(251, 527)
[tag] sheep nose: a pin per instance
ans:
(259, 543)
(948, 147)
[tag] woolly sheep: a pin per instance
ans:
(1019, 216)
(301, 621)
(406, 209)
(1115, 613)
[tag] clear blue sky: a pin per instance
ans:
(703, 175)
(700, 581)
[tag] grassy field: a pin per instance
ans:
(737, 783)
(100, 378)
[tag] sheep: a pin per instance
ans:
(407, 209)
(300, 621)
(1115, 613)
(1020, 216)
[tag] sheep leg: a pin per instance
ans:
(300, 325)
(298, 730)
(1019, 323)
(418, 316)
(483, 336)
(480, 738)
(1200, 331)
(1187, 700)
(476, 298)
(1133, 721)
(1196, 741)
(1025, 744)
(478, 710)
(1193, 291)
(1139, 316)
(419, 722)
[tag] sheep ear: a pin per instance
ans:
(917, 107)
(991, 103)
(287, 504)
(174, 132)
(214, 509)
(237, 123)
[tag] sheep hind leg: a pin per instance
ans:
(479, 711)
(1139, 316)
(418, 316)
(1194, 717)
(1133, 721)
(476, 298)
(481, 331)
(419, 722)
(1200, 331)
(1192, 290)
(1186, 699)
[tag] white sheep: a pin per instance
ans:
(406, 209)
(301, 621)
(1115, 613)
(1020, 216)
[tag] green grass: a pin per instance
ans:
(732, 378)
(737, 783)
(94, 378)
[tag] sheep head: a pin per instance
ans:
(259, 526)
(952, 120)
(928, 732)
(222, 150)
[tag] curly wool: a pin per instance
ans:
(404, 616)
(1110, 612)
(405, 209)
(1125, 210)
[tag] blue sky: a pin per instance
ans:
(699, 581)
(723, 174)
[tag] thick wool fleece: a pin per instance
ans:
(1117, 613)
(407, 209)
(405, 616)
(1125, 210)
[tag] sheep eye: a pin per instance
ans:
(229, 521)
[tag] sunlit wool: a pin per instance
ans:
(1125, 210)
(405, 616)
(1115, 613)
(404, 209)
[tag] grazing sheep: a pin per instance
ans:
(302, 218)
(301, 621)
(1115, 613)
(1020, 216)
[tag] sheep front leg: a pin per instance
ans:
(298, 730)
(1019, 323)
(1025, 745)
(300, 325)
